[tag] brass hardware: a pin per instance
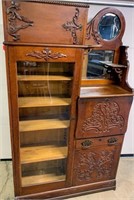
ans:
(86, 144)
(112, 141)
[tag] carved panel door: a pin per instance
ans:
(102, 116)
(96, 160)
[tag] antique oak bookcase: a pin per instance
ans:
(69, 99)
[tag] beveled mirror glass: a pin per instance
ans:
(96, 67)
(109, 26)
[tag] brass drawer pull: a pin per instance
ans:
(86, 144)
(112, 141)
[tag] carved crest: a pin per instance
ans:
(94, 165)
(73, 26)
(14, 19)
(46, 54)
(105, 116)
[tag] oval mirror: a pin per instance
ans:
(109, 26)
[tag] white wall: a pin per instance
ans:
(5, 147)
(128, 39)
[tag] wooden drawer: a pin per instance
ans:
(96, 160)
(93, 142)
(102, 116)
(40, 22)
(43, 54)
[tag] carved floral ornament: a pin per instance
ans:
(104, 117)
(16, 21)
(46, 54)
(92, 32)
(73, 26)
(92, 165)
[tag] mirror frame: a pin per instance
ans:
(93, 37)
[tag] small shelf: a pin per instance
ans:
(47, 124)
(28, 102)
(113, 65)
(43, 78)
(42, 153)
(40, 179)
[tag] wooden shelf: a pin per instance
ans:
(42, 153)
(109, 64)
(40, 179)
(27, 102)
(103, 91)
(43, 78)
(47, 124)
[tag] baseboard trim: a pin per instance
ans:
(7, 159)
(122, 155)
(127, 155)
(73, 191)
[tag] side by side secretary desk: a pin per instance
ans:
(69, 99)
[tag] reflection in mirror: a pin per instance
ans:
(95, 66)
(109, 26)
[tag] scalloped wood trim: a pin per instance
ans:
(56, 2)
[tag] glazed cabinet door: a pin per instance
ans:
(43, 115)
(96, 160)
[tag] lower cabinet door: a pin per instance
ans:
(96, 159)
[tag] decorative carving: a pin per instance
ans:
(46, 54)
(13, 18)
(92, 165)
(60, 3)
(115, 69)
(73, 26)
(119, 72)
(90, 31)
(105, 116)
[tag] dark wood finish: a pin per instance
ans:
(66, 133)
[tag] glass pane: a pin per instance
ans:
(44, 99)
(109, 26)
(34, 174)
(95, 64)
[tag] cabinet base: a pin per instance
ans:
(64, 193)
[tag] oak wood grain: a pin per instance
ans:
(28, 102)
(43, 78)
(39, 179)
(42, 153)
(36, 125)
